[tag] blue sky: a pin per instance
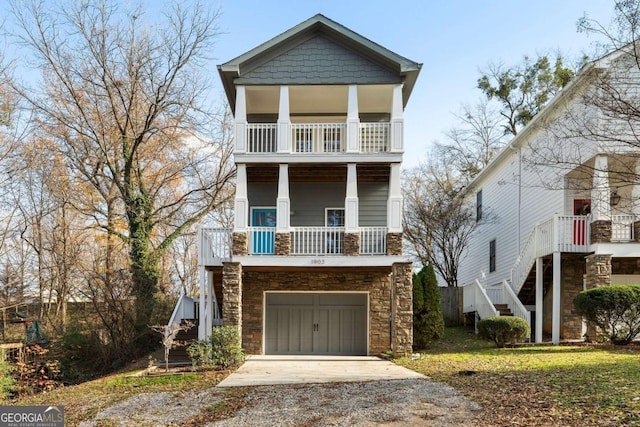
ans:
(453, 39)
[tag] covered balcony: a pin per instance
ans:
(319, 119)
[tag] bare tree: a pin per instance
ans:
(601, 115)
(124, 104)
(438, 222)
(474, 141)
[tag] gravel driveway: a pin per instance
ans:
(415, 402)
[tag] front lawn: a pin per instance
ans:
(538, 385)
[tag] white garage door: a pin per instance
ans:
(316, 323)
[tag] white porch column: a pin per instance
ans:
(241, 204)
(555, 322)
(353, 121)
(284, 122)
(241, 120)
(397, 120)
(539, 298)
(202, 306)
(351, 200)
(209, 319)
(601, 193)
(283, 204)
(394, 204)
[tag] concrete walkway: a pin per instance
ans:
(272, 370)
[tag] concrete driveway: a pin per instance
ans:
(272, 370)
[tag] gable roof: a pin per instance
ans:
(283, 53)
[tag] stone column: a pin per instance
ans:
(598, 273)
(352, 244)
(601, 231)
(394, 244)
(573, 270)
(402, 309)
(598, 270)
(232, 295)
(283, 244)
(239, 244)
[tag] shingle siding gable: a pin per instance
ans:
(319, 60)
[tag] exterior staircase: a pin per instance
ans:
(178, 355)
(503, 309)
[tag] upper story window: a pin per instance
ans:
(478, 205)
(492, 255)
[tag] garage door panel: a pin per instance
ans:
(316, 324)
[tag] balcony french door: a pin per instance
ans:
(263, 221)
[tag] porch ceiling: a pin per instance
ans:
(319, 173)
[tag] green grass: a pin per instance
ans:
(538, 385)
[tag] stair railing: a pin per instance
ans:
(513, 302)
(476, 299)
(184, 309)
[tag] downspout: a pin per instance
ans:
(519, 206)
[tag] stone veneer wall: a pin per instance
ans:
(598, 274)
(394, 244)
(598, 271)
(283, 244)
(239, 244)
(571, 284)
(402, 309)
(625, 266)
(352, 244)
(636, 231)
(600, 231)
(232, 295)
(375, 281)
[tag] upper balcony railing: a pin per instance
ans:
(318, 138)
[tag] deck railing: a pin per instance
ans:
(318, 137)
(317, 240)
(262, 240)
(374, 137)
(214, 245)
(373, 240)
(622, 228)
(262, 137)
(559, 233)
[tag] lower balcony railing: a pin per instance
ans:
(215, 243)
(317, 240)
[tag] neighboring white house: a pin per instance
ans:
(314, 263)
(558, 208)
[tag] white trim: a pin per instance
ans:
(261, 207)
(319, 261)
(264, 310)
(313, 158)
(326, 211)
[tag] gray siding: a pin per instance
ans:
(309, 200)
(373, 204)
(262, 194)
(319, 61)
